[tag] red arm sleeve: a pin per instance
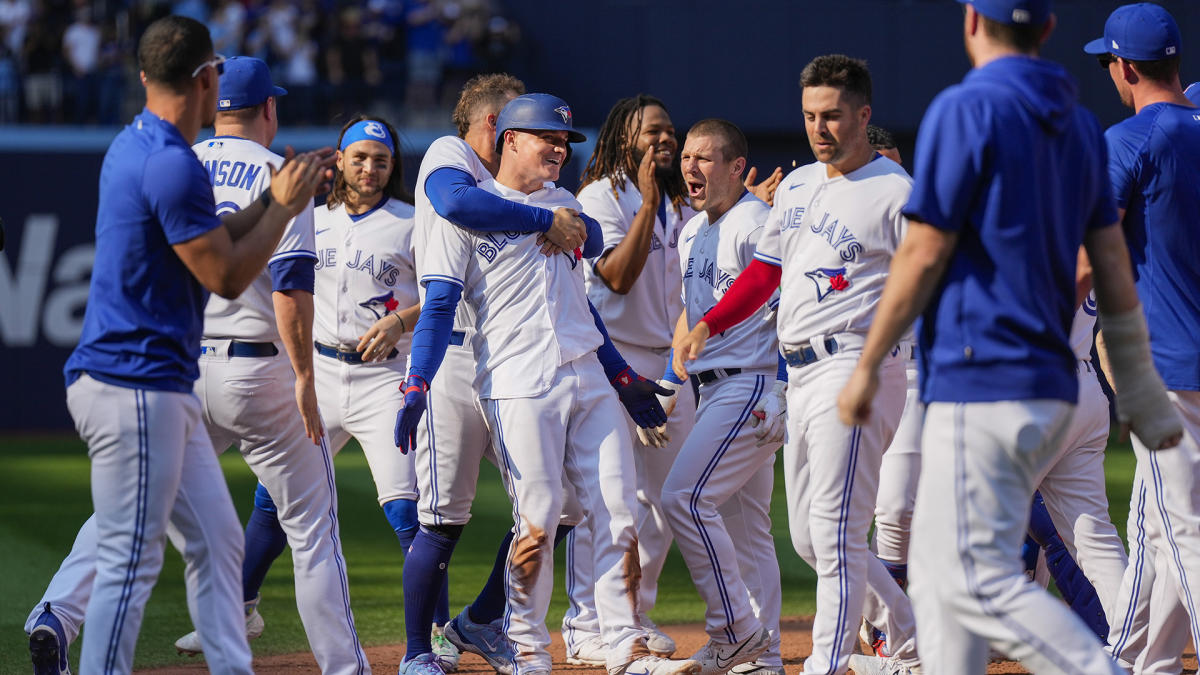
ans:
(749, 291)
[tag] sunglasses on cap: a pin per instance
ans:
(217, 62)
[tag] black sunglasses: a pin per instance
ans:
(1105, 60)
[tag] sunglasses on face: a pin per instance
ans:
(1105, 60)
(217, 62)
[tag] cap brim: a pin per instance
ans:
(1097, 46)
(278, 91)
(575, 137)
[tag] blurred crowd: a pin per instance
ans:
(75, 61)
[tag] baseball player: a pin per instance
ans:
(252, 393)
(546, 416)
(1154, 157)
(727, 463)
(1009, 167)
(633, 187)
(454, 437)
(160, 248)
(829, 237)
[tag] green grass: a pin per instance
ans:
(44, 498)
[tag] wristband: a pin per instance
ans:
(624, 378)
(403, 326)
(414, 382)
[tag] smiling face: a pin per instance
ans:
(531, 158)
(836, 126)
(655, 130)
(714, 182)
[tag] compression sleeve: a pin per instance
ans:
(609, 357)
(453, 194)
(669, 374)
(594, 245)
(749, 291)
(431, 335)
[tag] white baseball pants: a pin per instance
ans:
(250, 402)
(717, 460)
(568, 429)
(1164, 546)
(980, 464)
(153, 470)
(354, 399)
(831, 476)
(898, 473)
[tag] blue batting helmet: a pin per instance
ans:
(537, 112)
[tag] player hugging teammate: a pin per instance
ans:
(496, 316)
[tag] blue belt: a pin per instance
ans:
(805, 354)
(710, 376)
(457, 338)
(346, 356)
(252, 349)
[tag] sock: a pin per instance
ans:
(489, 604)
(265, 541)
(441, 613)
(424, 568)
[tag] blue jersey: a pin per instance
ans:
(1009, 162)
(1154, 163)
(145, 309)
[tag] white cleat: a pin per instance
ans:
(590, 652)
(756, 668)
(657, 665)
(875, 665)
(190, 644)
(718, 658)
(658, 642)
(447, 654)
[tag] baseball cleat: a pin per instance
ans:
(717, 658)
(874, 639)
(875, 665)
(756, 668)
(421, 664)
(483, 639)
(445, 650)
(592, 651)
(48, 645)
(657, 665)
(190, 644)
(658, 642)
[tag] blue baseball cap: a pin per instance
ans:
(1141, 32)
(1024, 12)
(246, 82)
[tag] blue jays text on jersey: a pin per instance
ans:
(707, 270)
(490, 243)
(387, 272)
(840, 238)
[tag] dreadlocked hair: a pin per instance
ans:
(393, 189)
(613, 156)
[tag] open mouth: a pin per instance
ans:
(553, 160)
(695, 189)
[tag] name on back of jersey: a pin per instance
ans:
(386, 274)
(837, 236)
(242, 175)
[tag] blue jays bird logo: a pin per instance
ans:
(381, 305)
(828, 280)
(565, 113)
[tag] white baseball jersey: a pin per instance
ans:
(715, 254)
(834, 238)
(509, 283)
(239, 172)
(374, 276)
(1083, 328)
(645, 315)
(454, 153)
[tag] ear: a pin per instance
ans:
(491, 122)
(339, 161)
(142, 77)
(864, 115)
(970, 20)
(1047, 29)
(1128, 72)
(269, 110)
(738, 166)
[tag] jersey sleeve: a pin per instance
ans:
(453, 194)
(749, 235)
(599, 202)
(1124, 145)
(299, 239)
(949, 157)
(447, 253)
(769, 248)
(179, 193)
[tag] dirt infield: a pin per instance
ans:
(797, 643)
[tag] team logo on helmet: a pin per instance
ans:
(381, 305)
(564, 112)
(828, 280)
(374, 129)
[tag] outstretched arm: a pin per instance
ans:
(431, 337)
(749, 291)
(637, 394)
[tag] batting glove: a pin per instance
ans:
(656, 437)
(640, 398)
(770, 415)
(410, 413)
